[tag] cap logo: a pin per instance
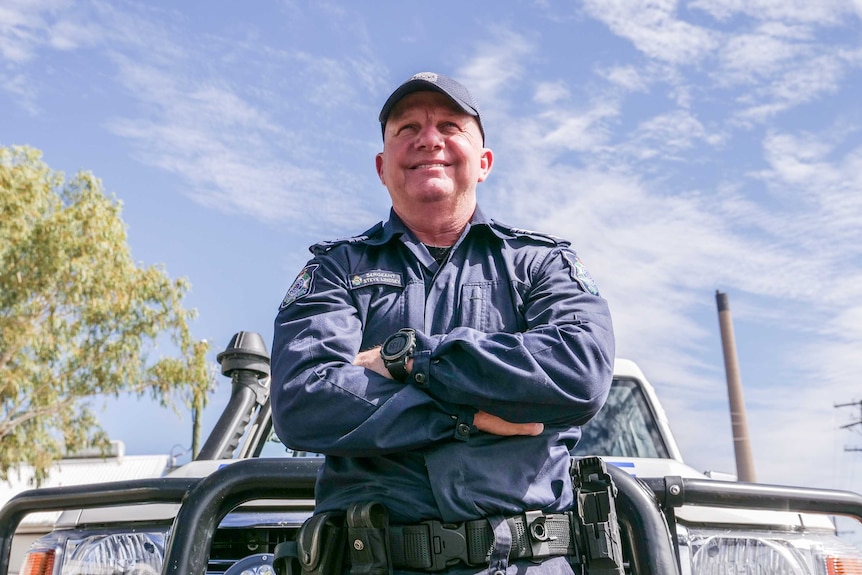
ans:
(428, 76)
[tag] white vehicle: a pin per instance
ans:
(642, 509)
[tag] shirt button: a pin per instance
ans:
(463, 429)
(419, 377)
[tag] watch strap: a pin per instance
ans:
(398, 368)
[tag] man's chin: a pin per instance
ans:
(431, 191)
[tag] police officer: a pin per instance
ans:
(444, 361)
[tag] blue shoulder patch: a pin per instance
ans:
(301, 286)
(580, 274)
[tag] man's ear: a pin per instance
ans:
(486, 161)
(378, 160)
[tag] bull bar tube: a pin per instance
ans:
(205, 502)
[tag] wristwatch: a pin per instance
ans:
(396, 350)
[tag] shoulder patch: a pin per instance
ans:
(580, 274)
(301, 286)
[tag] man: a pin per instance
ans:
(442, 361)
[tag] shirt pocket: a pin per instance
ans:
(488, 307)
(384, 309)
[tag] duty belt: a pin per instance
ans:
(433, 546)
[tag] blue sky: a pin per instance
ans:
(683, 147)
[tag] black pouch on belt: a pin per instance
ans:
(368, 539)
(320, 544)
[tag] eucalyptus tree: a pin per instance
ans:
(79, 319)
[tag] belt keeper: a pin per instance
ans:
(538, 533)
(549, 534)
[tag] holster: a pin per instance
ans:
(318, 549)
(596, 523)
(368, 539)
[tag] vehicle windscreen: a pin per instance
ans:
(625, 427)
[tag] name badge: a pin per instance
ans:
(376, 277)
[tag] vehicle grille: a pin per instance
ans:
(232, 544)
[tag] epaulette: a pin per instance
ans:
(511, 231)
(323, 247)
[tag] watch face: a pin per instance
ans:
(395, 344)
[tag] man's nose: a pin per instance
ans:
(429, 137)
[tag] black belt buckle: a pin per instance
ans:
(448, 544)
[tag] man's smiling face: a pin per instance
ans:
(432, 152)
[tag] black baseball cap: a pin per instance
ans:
(430, 81)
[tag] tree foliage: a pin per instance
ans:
(79, 320)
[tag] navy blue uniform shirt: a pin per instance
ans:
(510, 324)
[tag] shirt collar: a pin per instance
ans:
(395, 227)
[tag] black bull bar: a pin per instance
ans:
(205, 502)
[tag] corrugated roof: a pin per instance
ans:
(80, 471)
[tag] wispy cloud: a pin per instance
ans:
(824, 12)
(777, 58)
(825, 185)
(193, 122)
(627, 77)
(655, 29)
(762, 53)
(22, 91)
(222, 145)
(28, 28)
(666, 136)
(780, 59)
(803, 81)
(241, 148)
(25, 27)
(496, 64)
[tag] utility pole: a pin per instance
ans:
(738, 417)
(849, 425)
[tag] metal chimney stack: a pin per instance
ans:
(738, 418)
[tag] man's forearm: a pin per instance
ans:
(370, 359)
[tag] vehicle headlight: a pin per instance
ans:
(98, 553)
(718, 552)
(115, 554)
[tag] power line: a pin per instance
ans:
(853, 424)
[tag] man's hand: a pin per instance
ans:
(370, 359)
(497, 426)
